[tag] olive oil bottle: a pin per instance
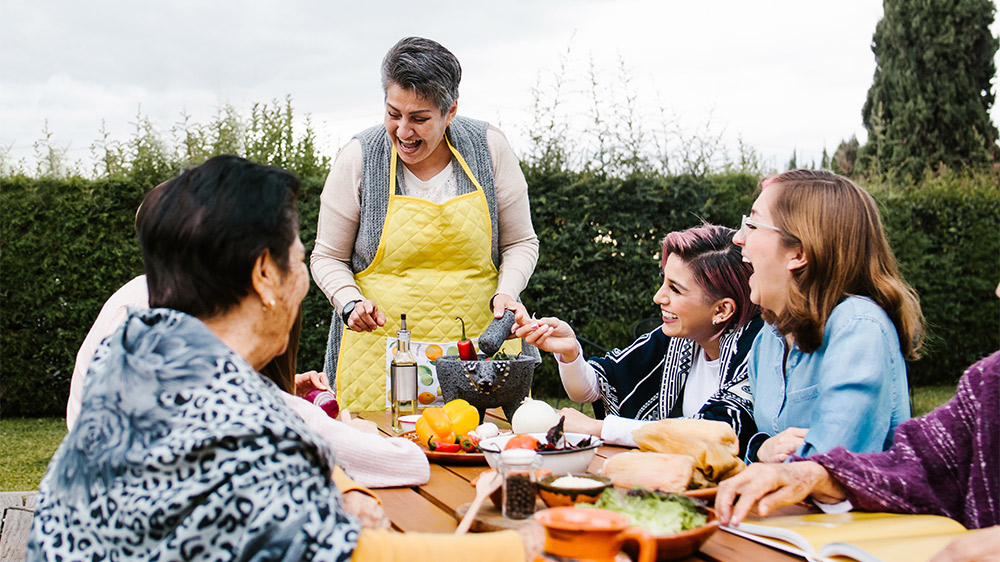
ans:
(402, 378)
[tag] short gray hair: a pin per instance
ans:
(425, 67)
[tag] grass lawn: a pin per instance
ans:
(28, 444)
(926, 398)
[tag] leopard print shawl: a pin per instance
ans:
(183, 452)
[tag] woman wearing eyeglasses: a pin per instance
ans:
(828, 370)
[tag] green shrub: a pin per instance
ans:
(67, 245)
(946, 235)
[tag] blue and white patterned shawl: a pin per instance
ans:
(183, 452)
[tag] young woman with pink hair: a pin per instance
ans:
(693, 365)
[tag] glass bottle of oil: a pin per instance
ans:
(402, 378)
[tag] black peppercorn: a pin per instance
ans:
(518, 497)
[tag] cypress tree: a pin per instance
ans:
(930, 98)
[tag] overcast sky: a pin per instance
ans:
(781, 75)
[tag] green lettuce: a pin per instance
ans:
(657, 512)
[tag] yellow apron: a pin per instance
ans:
(433, 263)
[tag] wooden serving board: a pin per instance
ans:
(490, 518)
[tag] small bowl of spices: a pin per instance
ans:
(571, 489)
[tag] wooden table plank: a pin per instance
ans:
(14, 538)
(411, 512)
(447, 489)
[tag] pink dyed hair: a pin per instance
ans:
(718, 266)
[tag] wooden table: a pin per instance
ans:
(431, 508)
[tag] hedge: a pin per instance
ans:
(66, 245)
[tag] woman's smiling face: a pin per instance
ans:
(772, 261)
(416, 126)
(685, 309)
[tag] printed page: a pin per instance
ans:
(819, 529)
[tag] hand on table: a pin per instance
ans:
(305, 382)
(578, 422)
(980, 545)
(548, 334)
(366, 317)
(773, 485)
(366, 509)
(782, 445)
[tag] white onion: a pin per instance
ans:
(487, 430)
(533, 416)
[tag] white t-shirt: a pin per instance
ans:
(701, 383)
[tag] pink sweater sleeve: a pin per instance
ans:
(369, 459)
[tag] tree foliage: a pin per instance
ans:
(930, 98)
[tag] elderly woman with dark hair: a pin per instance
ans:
(426, 214)
(182, 450)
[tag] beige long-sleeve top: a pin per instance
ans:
(340, 211)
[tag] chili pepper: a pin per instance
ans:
(469, 443)
(466, 350)
(442, 446)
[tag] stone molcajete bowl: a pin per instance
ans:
(486, 383)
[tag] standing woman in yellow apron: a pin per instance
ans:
(426, 215)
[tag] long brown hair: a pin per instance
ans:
(282, 368)
(838, 226)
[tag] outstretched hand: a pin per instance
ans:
(578, 422)
(310, 380)
(548, 334)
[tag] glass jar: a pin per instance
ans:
(517, 467)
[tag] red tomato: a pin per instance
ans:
(522, 442)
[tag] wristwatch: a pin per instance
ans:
(345, 314)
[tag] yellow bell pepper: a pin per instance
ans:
(457, 417)
(464, 417)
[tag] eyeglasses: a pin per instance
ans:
(746, 221)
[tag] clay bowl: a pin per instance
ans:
(683, 544)
(555, 496)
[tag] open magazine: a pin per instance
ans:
(864, 537)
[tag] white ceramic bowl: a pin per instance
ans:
(409, 423)
(559, 462)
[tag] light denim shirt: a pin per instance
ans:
(851, 392)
